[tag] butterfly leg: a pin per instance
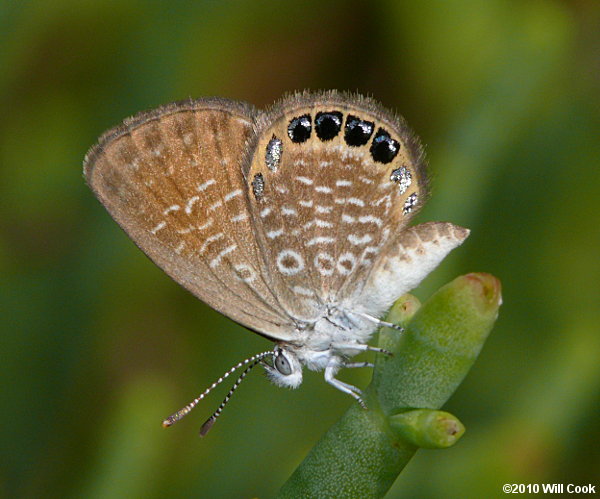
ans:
(330, 372)
(351, 365)
(379, 322)
(359, 347)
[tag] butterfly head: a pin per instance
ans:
(286, 369)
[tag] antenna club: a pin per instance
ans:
(207, 425)
(250, 362)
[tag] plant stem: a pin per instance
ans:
(362, 454)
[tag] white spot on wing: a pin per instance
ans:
(190, 204)
(323, 209)
(232, 194)
(209, 241)
(369, 250)
(302, 291)
(318, 222)
(370, 219)
(387, 199)
(324, 263)
(240, 217)
(215, 261)
(161, 225)
(324, 189)
(205, 185)
(216, 205)
(346, 257)
(245, 273)
(323, 223)
(180, 247)
(174, 207)
(286, 255)
(304, 180)
(288, 211)
(358, 241)
(343, 183)
(346, 152)
(272, 234)
(355, 201)
(320, 240)
(206, 225)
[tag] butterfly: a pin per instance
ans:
(293, 221)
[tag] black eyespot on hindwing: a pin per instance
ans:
(384, 149)
(358, 132)
(328, 125)
(299, 128)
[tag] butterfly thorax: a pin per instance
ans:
(332, 324)
(326, 343)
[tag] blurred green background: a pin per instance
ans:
(97, 345)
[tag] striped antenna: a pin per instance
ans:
(208, 424)
(252, 361)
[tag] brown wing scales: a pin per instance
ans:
(328, 208)
(172, 180)
(270, 217)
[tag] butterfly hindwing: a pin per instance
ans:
(338, 177)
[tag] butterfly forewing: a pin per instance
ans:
(334, 195)
(172, 179)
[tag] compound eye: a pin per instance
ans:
(282, 365)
